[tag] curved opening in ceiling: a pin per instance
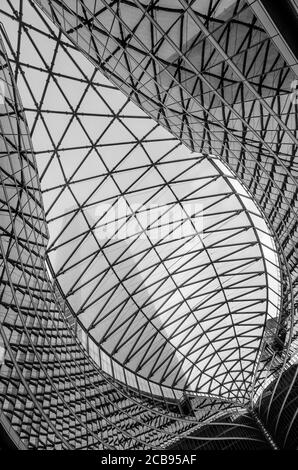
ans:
(185, 311)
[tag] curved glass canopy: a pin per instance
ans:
(168, 271)
(161, 254)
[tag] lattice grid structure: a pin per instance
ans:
(207, 125)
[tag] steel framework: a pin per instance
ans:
(181, 321)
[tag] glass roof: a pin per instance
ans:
(162, 255)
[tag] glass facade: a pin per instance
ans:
(149, 207)
(52, 394)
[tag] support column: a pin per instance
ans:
(264, 431)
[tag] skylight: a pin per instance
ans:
(172, 290)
